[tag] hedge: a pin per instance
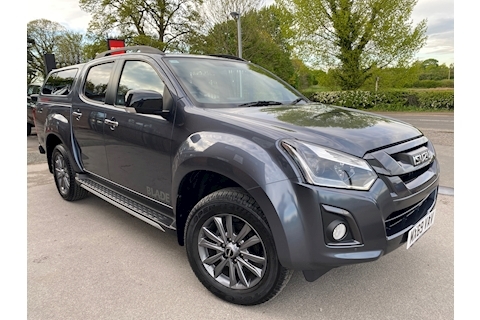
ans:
(390, 100)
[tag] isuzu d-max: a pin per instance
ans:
(255, 179)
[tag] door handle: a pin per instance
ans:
(112, 123)
(77, 114)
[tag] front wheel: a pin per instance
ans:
(65, 176)
(231, 249)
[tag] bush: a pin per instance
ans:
(388, 100)
(433, 84)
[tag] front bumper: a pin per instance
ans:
(378, 220)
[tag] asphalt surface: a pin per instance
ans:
(90, 260)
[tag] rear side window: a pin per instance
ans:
(60, 82)
(97, 82)
(33, 89)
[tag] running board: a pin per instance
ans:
(136, 209)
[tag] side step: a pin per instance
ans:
(147, 214)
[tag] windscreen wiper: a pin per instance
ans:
(259, 103)
(298, 100)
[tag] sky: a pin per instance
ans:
(439, 15)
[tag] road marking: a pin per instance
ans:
(427, 120)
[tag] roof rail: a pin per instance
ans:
(227, 56)
(145, 49)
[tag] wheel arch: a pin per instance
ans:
(198, 173)
(51, 142)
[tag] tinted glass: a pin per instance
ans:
(138, 75)
(217, 83)
(60, 83)
(33, 89)
(97, 82)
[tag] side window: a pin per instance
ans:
(97, 82)
(60, 83)
(138, 75)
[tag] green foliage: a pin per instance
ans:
(262, 41)
(70, 49)
(162, 24)
(303, 77)
(44, 36)
(431, 70)
(94, 45)
(354, 36)
(392, 78)
(389, 100)
(433, 84)
(435, 100)
(387, 78)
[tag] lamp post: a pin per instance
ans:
(236, 16)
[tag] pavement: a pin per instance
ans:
(90, 260)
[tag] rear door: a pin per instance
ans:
(89, 110)
(54, 100)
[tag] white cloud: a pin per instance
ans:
(65, 12)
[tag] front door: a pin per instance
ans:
(137, 145)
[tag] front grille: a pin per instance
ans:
(402, 219)
(408, 177)
(405, 168)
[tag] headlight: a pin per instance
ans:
(326, 167)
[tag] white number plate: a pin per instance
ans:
(420, 228)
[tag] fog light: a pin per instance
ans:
(339, 232)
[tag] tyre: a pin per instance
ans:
(29, 129)
(65, 176)
(231, 249)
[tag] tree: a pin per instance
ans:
(430, 64)
(158, 23)
(262, 41)
(431, 70)
(302, 77)
(31, 73)
(398, 77)
(451, 71)
(352, 36)
(218, 31)
(70, 48)
(215, 12)
(42, 36)
(94, 44)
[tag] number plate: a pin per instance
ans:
(420, 228)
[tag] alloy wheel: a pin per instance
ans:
(232, 251)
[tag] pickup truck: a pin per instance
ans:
(32, 93)
(255, 180)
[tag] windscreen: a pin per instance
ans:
(220, 83)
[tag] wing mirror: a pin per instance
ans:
(150, 102)
(33, 97)
(144, 101)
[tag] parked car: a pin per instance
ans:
(33, 90)
(255, 179)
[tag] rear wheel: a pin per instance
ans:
(65, 176)
(231, 249)
(29, 129)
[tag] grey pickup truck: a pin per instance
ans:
(255, 180)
